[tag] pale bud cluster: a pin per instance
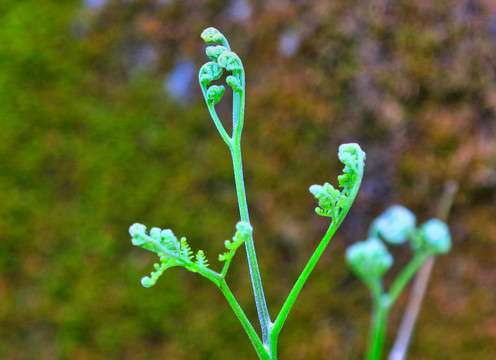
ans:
(222, 58)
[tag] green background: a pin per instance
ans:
(90, 143)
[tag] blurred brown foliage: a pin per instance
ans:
(92, 144)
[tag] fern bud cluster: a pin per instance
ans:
(243, 233)
(332, 200)
(209, 72)
(396, 226)
(211, 35)
(369, 259)
(433, 237)
(222, 58)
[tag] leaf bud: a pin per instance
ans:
(230, 61)
(209, 72)
(234, 82)
(137, 229)
(215, 93)
(244, 228)
(211, 35)
(433, 238)
(213, 52)
(395, 225)
(369, 259)
(147, 282)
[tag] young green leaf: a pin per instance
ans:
(171, 252)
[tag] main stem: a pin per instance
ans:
(256, 280)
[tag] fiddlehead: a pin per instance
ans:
(223, 58)
(332, 201)
(243, 233)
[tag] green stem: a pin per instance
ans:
(215, 118)
(256, 280)
(252, 334)
(263, 313)
(288, 304)
(378, 327)
(238, 108)
(405, 275)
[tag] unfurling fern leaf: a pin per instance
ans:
(243, 232)
(171, 252)
(332, 200)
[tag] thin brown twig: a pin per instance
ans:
(405, 331)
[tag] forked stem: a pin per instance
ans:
(263, 313)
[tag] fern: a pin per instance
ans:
(333, 203)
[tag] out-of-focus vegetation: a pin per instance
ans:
(91, 142)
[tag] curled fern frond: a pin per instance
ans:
(171, 252)
(209, 72)
(331, 200)
(149, 281)
(222, 57)
(353, 158)
(243, 232)
(234, 82)
(211, 35)
(213, 52)
(230, 61)
(214, 93)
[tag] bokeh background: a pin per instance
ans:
(102, 124)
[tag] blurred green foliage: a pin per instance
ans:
(89, 144)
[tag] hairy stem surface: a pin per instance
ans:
(263, 313)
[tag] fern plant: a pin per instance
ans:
(370, 260)
(333, 203)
